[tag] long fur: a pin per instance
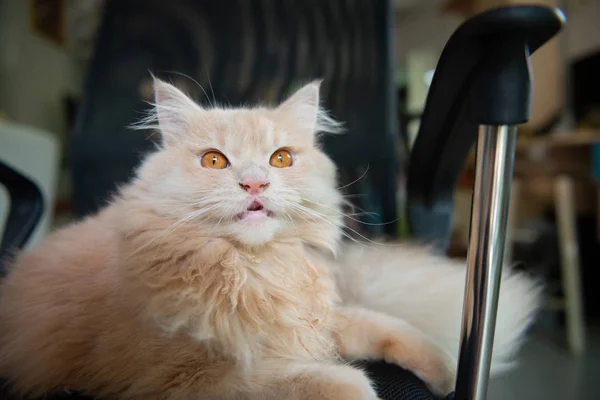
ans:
(164, 294)
(427, 290)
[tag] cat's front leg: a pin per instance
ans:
(363, 334)
(295, 380)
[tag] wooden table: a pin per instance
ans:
(565, 161)
(554, 171)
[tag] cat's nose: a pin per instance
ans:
(253, 186)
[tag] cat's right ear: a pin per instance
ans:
(173, 110)
(305, 111)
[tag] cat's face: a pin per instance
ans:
(251, 175)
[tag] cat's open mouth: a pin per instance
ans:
(255, 211)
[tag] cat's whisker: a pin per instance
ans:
(189, 207)
(324, 218)
(350, 216)
(356, 180)
(186, 218)
(338, 210)
(303, 214)
(211, 88)
(353, 206)
(345, 234)
(195, 208)
(216, 225)
(197, 83)
(292, 223)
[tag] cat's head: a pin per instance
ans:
(252, 175)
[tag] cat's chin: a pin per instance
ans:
(255, 229)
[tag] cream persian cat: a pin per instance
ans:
(214, 275)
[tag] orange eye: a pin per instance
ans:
(281, 159)
(215, 160)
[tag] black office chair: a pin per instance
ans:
(480, 92)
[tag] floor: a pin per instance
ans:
(549, 372)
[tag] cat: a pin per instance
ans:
(219, 272)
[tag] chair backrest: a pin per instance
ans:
(259, 53)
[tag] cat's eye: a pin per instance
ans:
(282, 158)
(214, 159)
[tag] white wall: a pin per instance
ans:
(423, 28)
(35, 76)
(583, 29)
(35, 73)
(420, 36)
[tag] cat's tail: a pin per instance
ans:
(426, 290)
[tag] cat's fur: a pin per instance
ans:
(165, 294)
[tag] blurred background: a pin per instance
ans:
(75, 73)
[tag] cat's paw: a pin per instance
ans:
(429, 362)
(338, 382)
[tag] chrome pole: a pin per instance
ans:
(489, 214)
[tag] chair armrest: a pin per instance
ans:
(26, 208)
(482, 77)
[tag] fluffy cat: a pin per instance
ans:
(214, 275)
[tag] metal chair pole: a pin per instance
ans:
(489, 215)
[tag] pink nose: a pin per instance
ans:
(254, 187)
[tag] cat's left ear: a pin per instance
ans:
(303, 108)
(173, 110)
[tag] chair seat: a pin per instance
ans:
(395, 383)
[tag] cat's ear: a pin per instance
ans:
(173, 109)
(303, 108)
